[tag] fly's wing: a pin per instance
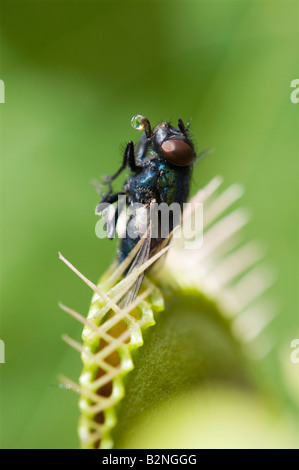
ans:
(141, 257)
(145, 251)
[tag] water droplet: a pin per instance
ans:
(137, 122)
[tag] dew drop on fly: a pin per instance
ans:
(137, 122)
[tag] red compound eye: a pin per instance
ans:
(178, 152)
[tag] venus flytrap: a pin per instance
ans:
(214, 315)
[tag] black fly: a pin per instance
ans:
(160, 170)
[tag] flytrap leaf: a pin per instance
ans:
(212, 314)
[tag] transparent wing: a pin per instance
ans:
(141, 257)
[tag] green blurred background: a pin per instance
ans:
(75, 73)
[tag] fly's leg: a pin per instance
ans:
(129, 157)
(128, 160)
(110, 198)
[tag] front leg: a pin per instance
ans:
(128, 160)
(110, 198)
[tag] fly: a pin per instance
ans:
(160, 168)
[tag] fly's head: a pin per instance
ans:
(169, 143)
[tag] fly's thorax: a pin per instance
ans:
(142, 186)
(174, 183)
